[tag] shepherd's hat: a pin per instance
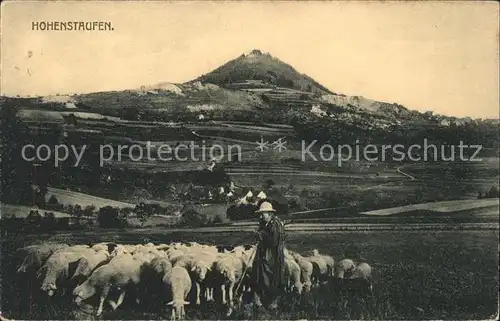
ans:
(266, 207)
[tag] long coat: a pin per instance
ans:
(269, 265)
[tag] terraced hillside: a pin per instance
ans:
(261, 70)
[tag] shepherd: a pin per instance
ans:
(268, 270)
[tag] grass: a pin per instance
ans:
(304, 182)
(40, 115)
(48, 115)
(75, 198)
(211, 210)
(8, 210)
(440, 207)
(230, 127)
(166, 101)
(156, 220)
(486, 170)
(417, 274)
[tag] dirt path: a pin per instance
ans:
(398, 169)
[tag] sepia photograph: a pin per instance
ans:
(249, 160)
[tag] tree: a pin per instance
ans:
(125, 212)
(143, 212)
(34, 219)
(89, 210)
(291, 189)
(192, 218)
(493, 192)
(16, 177)
(49, 221)
(77, 211)
(53, 200)
(269, 183)
(219, 219)
(53, 204)
(241, 212)
(39, 195)
(131, 113)
(232, 212)
(108, 217)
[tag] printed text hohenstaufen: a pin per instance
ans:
(71, 26)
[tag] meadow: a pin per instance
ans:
(19, 211)
(75, 198)
(440, 207)
(417, 274)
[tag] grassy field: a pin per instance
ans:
(211, 210)
(42, 115)
(8, 210)
(440, 207)
(485, 170)
(417, 274)
(75, 198)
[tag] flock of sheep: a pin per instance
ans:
(178, 270)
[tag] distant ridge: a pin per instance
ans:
(253, 81)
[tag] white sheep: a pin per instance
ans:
(56, 270)
(79, 247)
(199, 265)
(160, 265)
(147, 250)
(248, 256)
(355, 282)
(330, 262)
(179, 283)
(180, 246)
(123, 248)
(120, 272)
(87, 264)
(320, 268)
(120, 250)
(240, 249)
(151, 284)
(195, 249)
(210, 248)
(137, 248)
(100, 247)
(144, 257)
(347, 269)
(105, 246)
(162, 247)
(4, 318)
(288, 254)
(174, 254)
(228, 270)
(306, 270)
(294, 274)
(36, 255)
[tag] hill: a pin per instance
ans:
(261, 70)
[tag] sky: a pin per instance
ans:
(439, 56)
